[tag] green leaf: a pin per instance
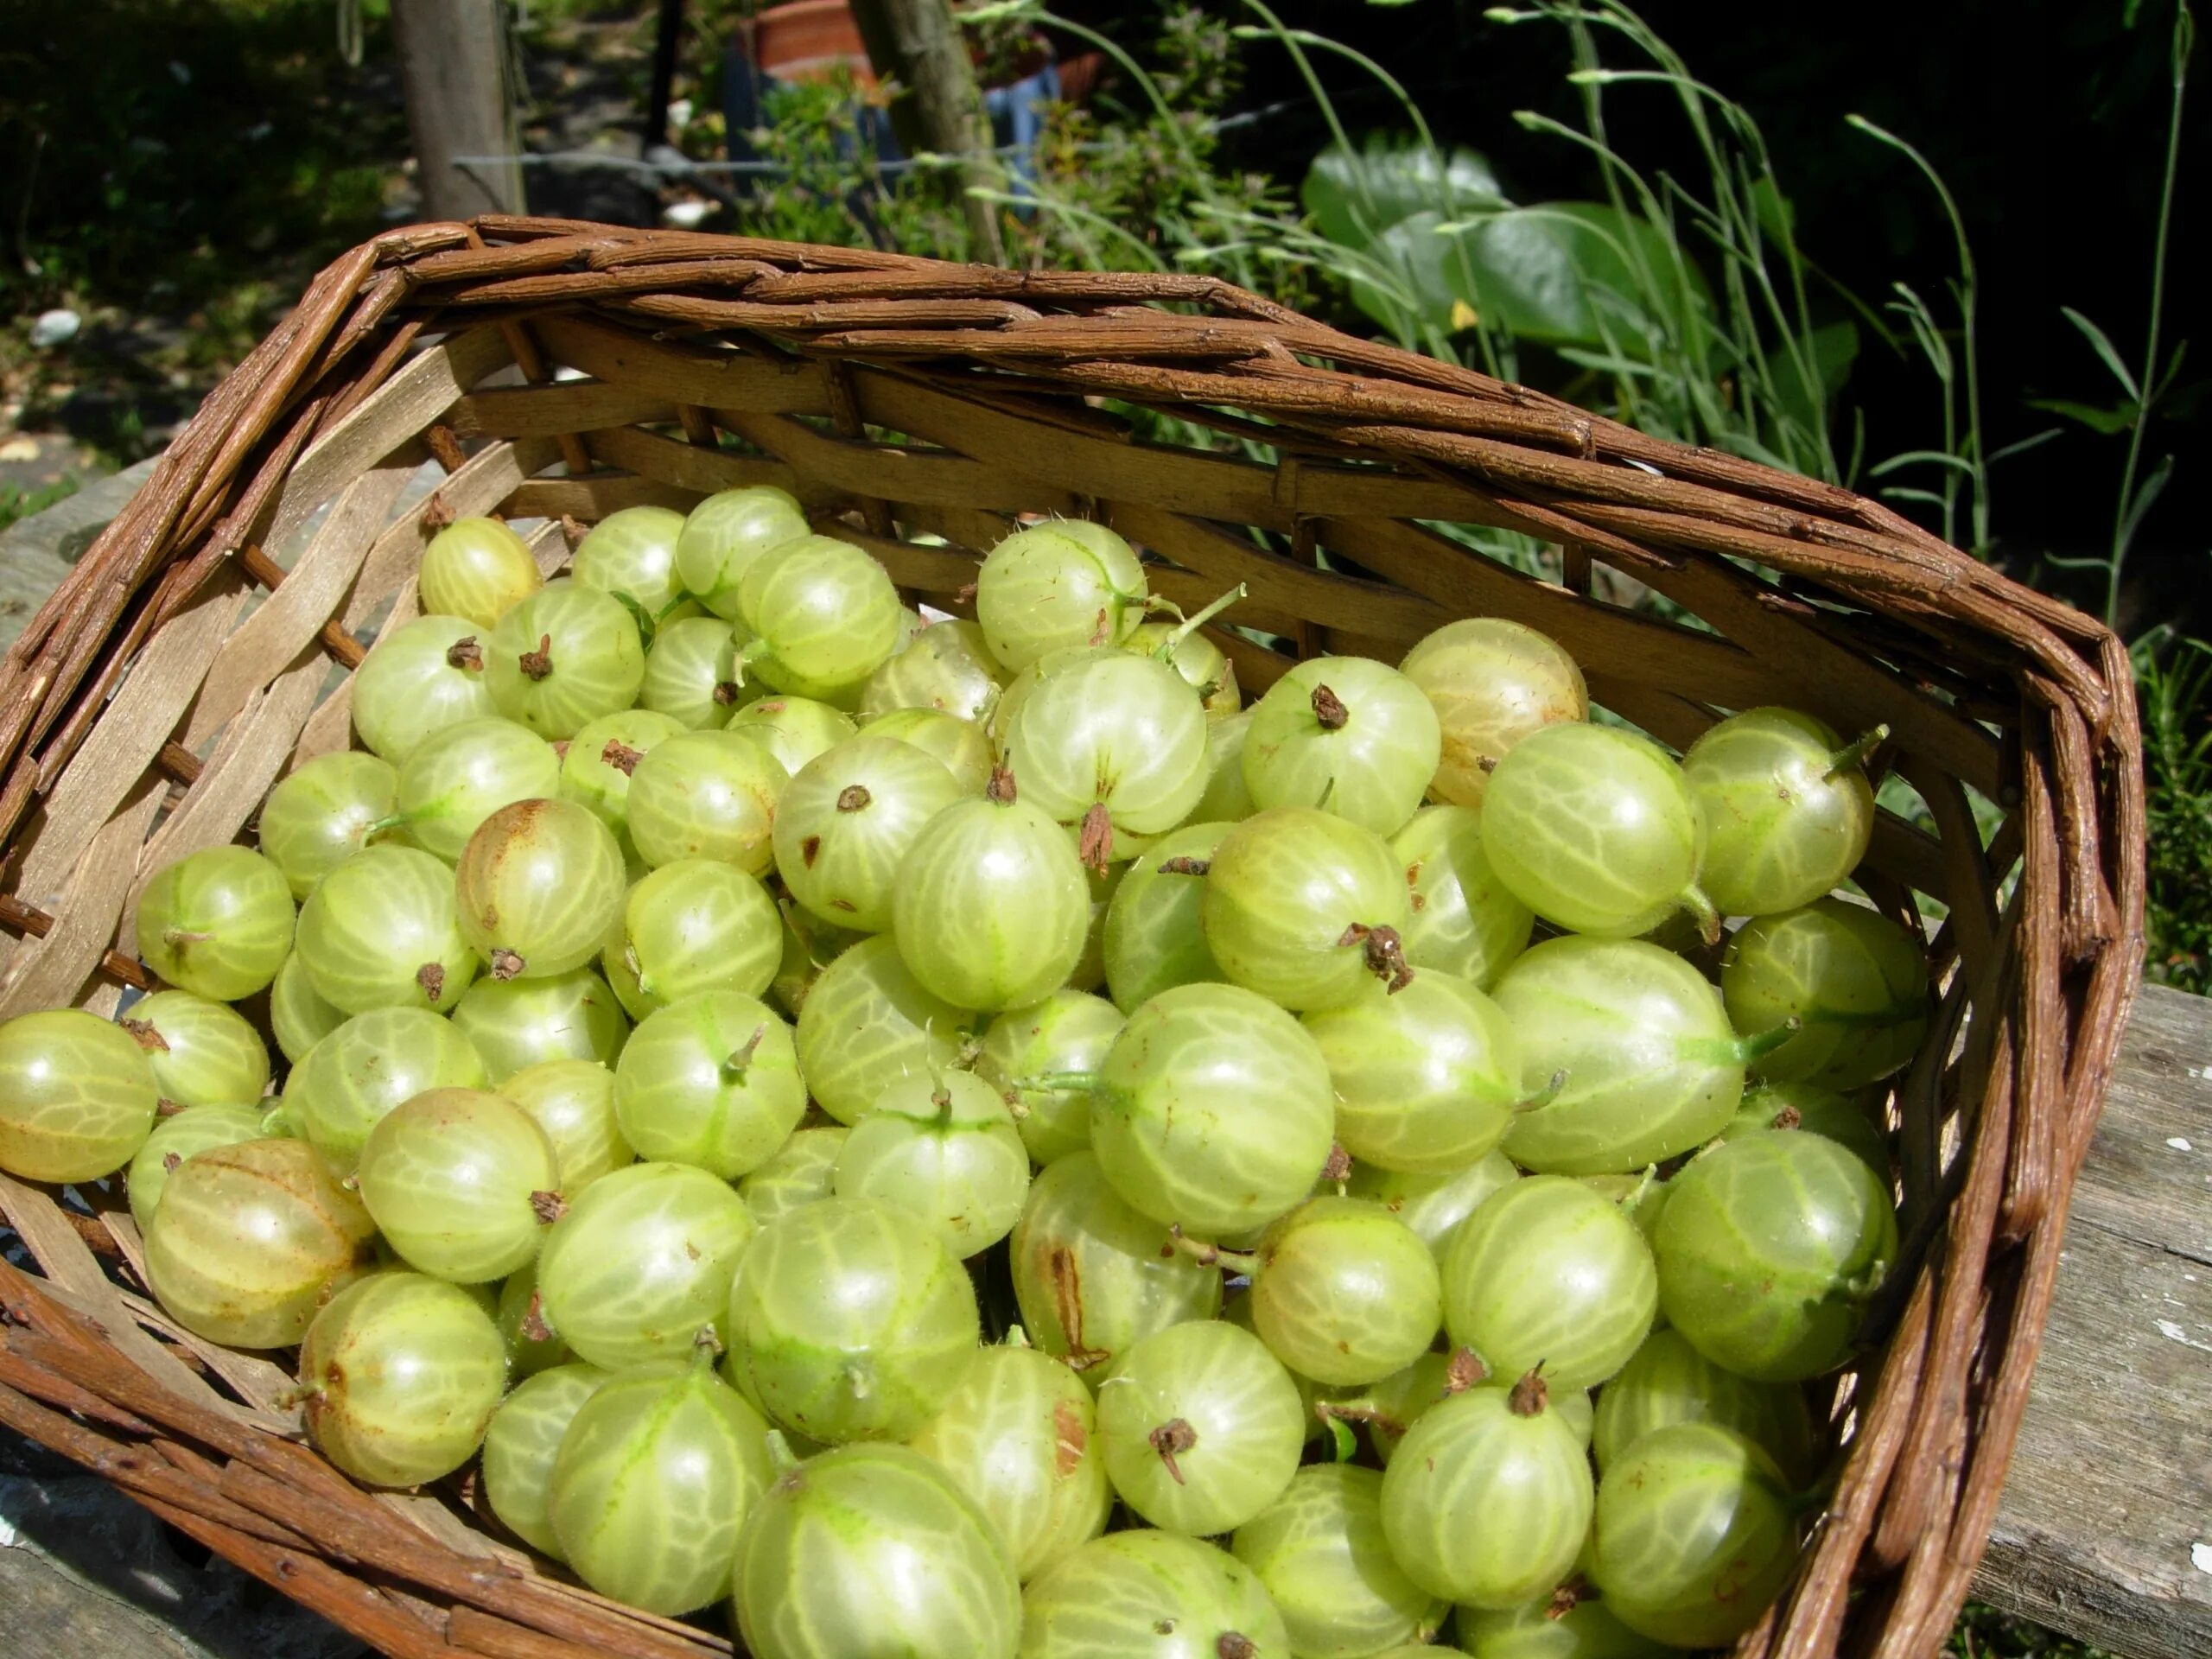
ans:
(2097, 418)
(2104, 348)
(1346, 1448)
(1557, 275)
(1776, 213)
(1354, 198)
(1825, 356)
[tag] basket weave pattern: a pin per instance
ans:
(557, 371)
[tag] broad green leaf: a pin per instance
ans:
(1354, 198)
(1557, 275)
(2101, 344)
(2098, 418)
(1827, 355)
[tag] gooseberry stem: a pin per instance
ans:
(1211, 1255)
(1765, 1042)
(1700, 909)
(742, 1058)
(1190, 625)
(1055, 1081)
(1855, 754)
(780, 1455)
(377, 827)
(1545, 1095)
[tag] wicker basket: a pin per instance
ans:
(557, 371)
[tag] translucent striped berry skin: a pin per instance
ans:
(1427, 1077)
(595, 770)
(824, 615)
(706, 795)
(203, 1053)
(725, 533)
(1111, 729)
(1667, 1382)
(462, 773)
(1784, 822)
(632, 552)
(847, 821)
(420, 678)
(249, 1240)
(1492, 683)
(1155, 933)
(692, 675)
(318, 815)
(1205, 668)
(178, 1138)
(1057, 585)
(454, 1180)
(1488, 1498)
(217, 923)
(521, 1443)
(1593, 829)
(367, 1066)
(1226, 798)
(866, 1022)
(1320, 1552)
(793, 728)
(517, 1023)
(690, 926)
(1295, 900)
(383, 930)
(478, 570)
(1345, 1293)
(1212, 1110)
(1547, 1271)
(947, 667)
(641, 1262)
(827, 1537)
(1201, 1428)
(1112, 1596)
(711, 1080)
(298, 1014)
(800, 1172)
(1348, 734)
(1433, 1205)
(989, 908)
(538, 885)
(531, 1346)
(1693, 1535)
(1854, 981)
(1020, 1437)
(1538, 1629)
(402, 1374)
(1647, 1063)
(961, 745)
(652, 1483)
(1464, 919)
(1069, 1031)
(562, 657)
(945, 1151)
(1769, 1248)
(1093, 1275)
(851, 1321)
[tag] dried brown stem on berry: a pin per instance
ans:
(1464, 1371)
(466, 653)
(547, 1207)
(1186, 867)
(1329, 710)
(1095, 843)
(537, 665)
(431, 976)
(620, 756)
(142, 1033)
(1530, 1395)
(853, 797)
(1171, 1438)
(505, 964)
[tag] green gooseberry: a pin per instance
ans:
(217, 923)
(1668, 1380)
(178, 1137)
(521, 1443)
(651, 1483)
(1018, 1436)
(1069, 1031)
(1694, 1535)
(947, 1152)
(1433, 1205)
(1567, 1624)
(631, 553)
(1205, 668)
(1093, 1275)
(1489, 1498)
(1854, 982)
(1769, 1248)
(477, 568)
(1345, 1293)
(1492, 683)
(1156, 1593)
(867, 1023)
(846, 823)
(298, 1014)
(1815, 1111)
(948, 667)
(320, 814)
(1787, 809)
(1320, 1552)
(798, 1173)
(1057, 586)
(461, 1183)
(1305, 907)
(517, 1023)
(1226, 798)
(562, 657)
(596, 767)
(367, 1066)
(851, 1321)
(713, 1080)
(1200, 1428)
(1464, 919)
(706, 794)
(1348, 734)
(532, 1346)
(961, 745)
(384, 931)
(725, 533)
(1155, 935)
(1546, 1273)
(1427, 1077)
(824, 615)
(691, 674)
(202, 1051)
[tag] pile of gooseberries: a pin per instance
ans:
(954, 1138)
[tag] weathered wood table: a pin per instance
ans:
(2104, 1531)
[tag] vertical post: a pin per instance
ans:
(454, 70)
(667, 36)
(918, 44)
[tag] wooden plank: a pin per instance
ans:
(2105, 1530)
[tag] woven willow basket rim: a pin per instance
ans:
(147, 708)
